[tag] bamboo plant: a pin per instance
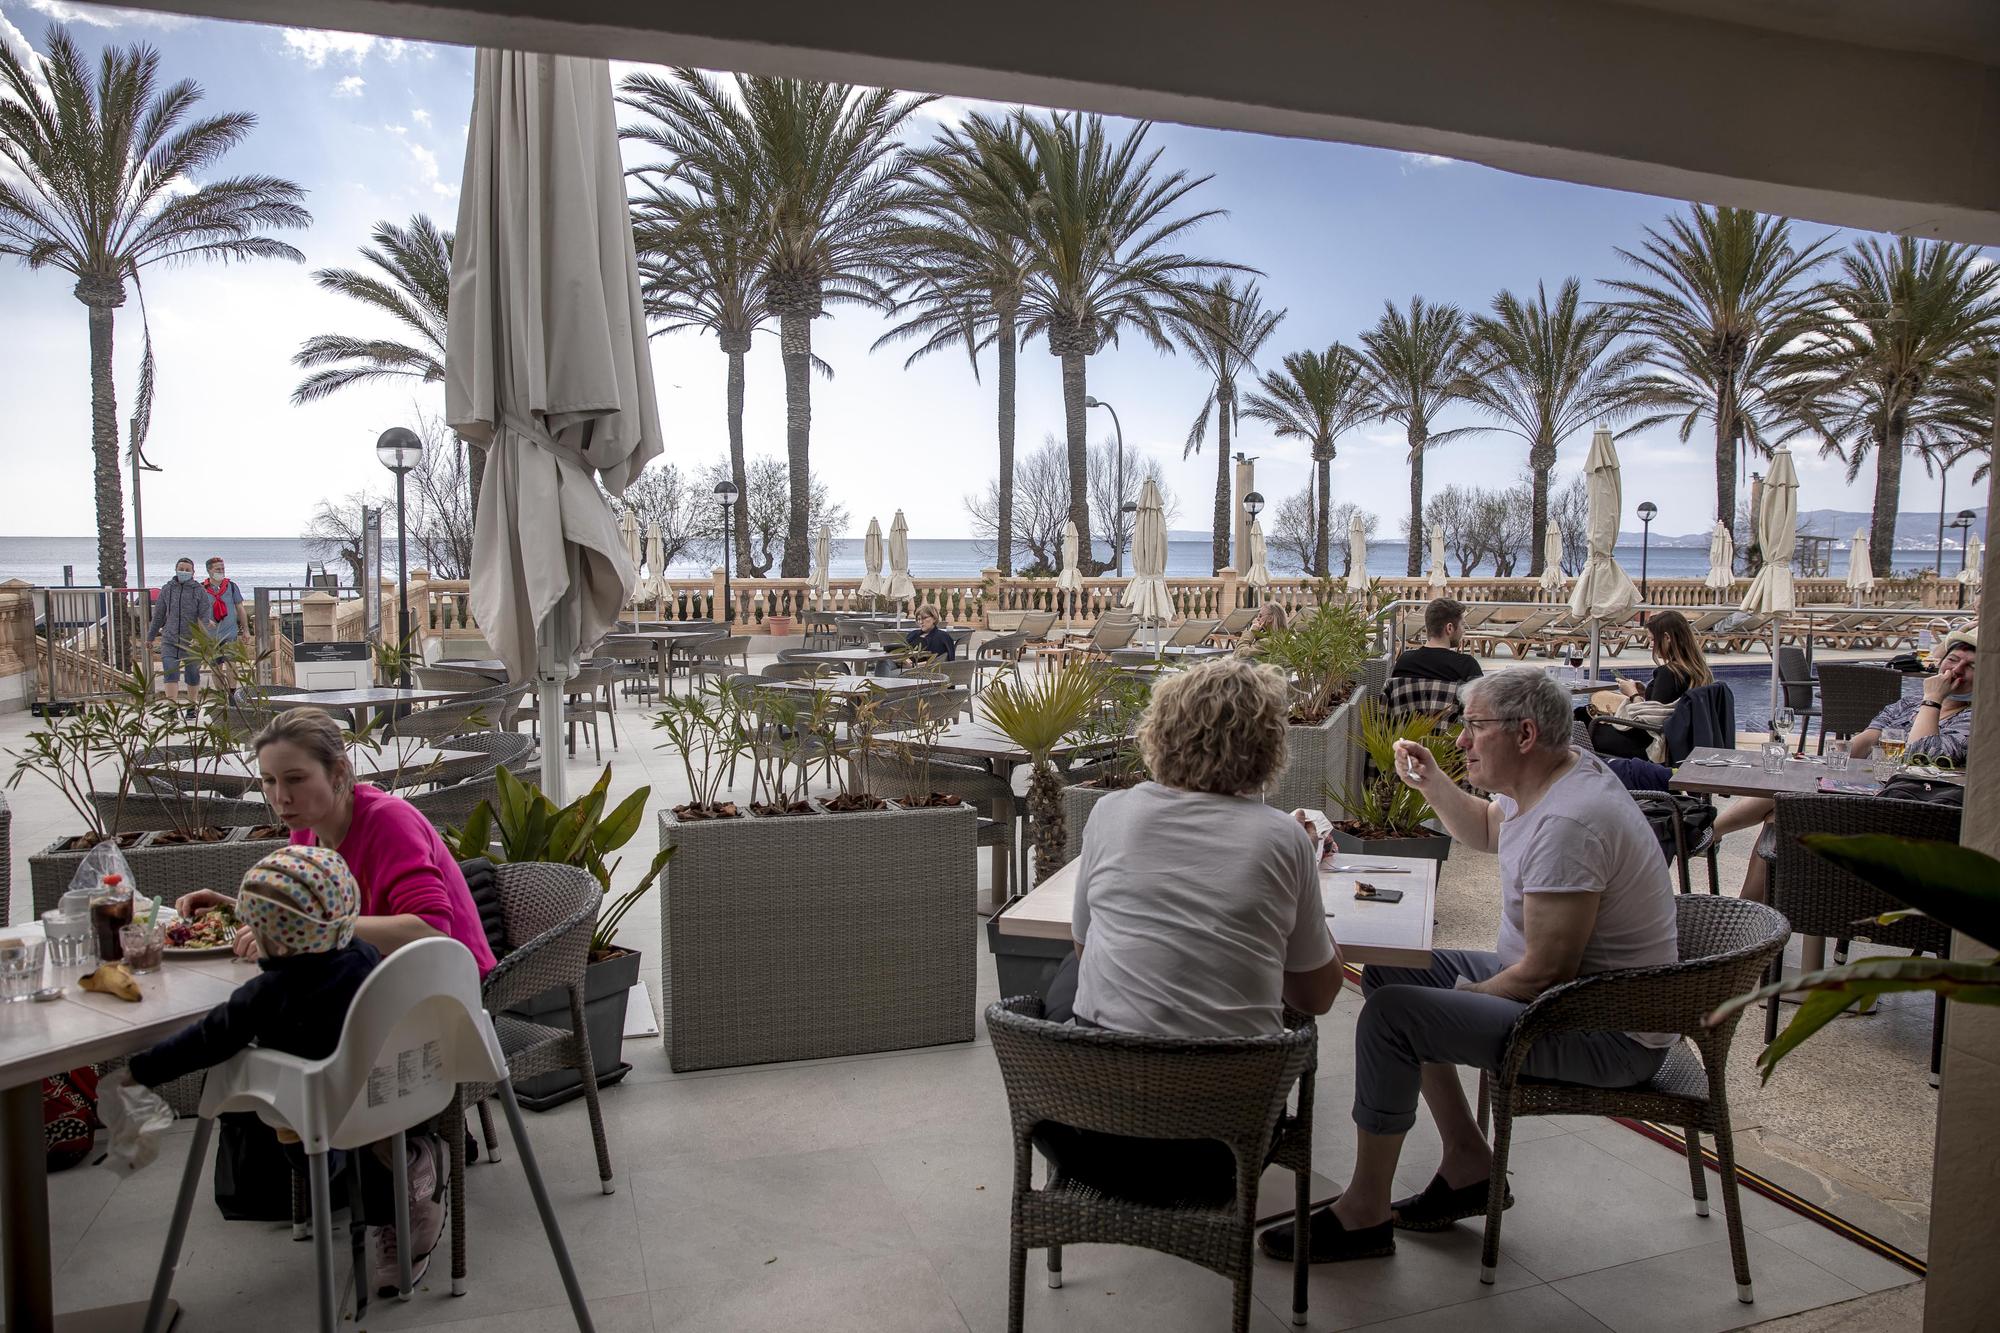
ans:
(1320, 652)
(708, 728)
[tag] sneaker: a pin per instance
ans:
(428, 1197)
(1328, 1242)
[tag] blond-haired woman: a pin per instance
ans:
(1197, 908)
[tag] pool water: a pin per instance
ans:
(1750, 683)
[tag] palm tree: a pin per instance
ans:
(1874, 378)
(1417, 365)
(1222, 330)
(1317, 397)
(967, 268)
(1544, 372)
(1724, 293)
(411, 284)
(699, 268)
(1099, 263)
(817, 170)
(100, 189)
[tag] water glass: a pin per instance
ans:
(142, 942)
(20, 969)
(1775, 753)
(68, 936)
(1837, 751)
(1885, 767)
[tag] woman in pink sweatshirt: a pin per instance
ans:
(411, 887)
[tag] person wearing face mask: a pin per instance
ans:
(225, 612)
(179, 607)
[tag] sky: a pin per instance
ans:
(375, 129)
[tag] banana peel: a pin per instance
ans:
(112, 979)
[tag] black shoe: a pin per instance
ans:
(1440, 1206)
(1328, 1242)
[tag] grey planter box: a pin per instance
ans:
(807, 936)
(1077, 803)
(1328, 755)
(1023, 965)
(162, 872)
(1435, 848)
(605, 985)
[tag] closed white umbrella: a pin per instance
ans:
(1357, 554)
(1070, 579)
(628, 528)
(1777, 533)
(1860, 572)
(1146, 594)
(655, 588)
(1258, 575)
(872, 582)
(1975, 562)
(1440, 573)
(1554, 581)
(547, 365)
(1603, 590)
(822, 577)
(1721, 559)
(900, 586)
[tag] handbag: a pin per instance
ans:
(253, 1176)
(69, 1116)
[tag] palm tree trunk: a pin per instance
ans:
(107, 478)
(795, 344)
(1888, 496)
(1418, 437)
(1004, 540)
(1220, 539)
(475, 474)
(1321, 526)
(1073, 364)
(1541, 462)
(738, 474)
(1725, 458)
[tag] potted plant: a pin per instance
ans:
(1385, 815)
(915, 747)
(708, 729)
(1320, 652)
(1112, 723)
(1036, 714)
(528, 826)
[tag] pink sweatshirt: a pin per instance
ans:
(405, 869)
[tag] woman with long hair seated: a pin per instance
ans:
(1680, 667)
(1197, 909)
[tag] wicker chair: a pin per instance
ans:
(821, 630)
(449, 807)
(452, 678)
(1850, 695)
(782, 671)
(6, 859)
(156, 811)
(1002, 648)
(484, 751)
(1795, 677)
(549, 913)
(1725, 945)
(1822, 899)
(483, 710)
(1231, 1089)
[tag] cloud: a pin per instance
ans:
(1425, 161)
(96, 16)
(427, 166)
(350, 86)
(421, 116)
(316, 47)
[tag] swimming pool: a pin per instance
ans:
(1750, 684)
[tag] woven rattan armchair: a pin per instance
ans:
(1725, 945)
(485, 710)
(6, 859)
(156, 811)
(1795, 678)
(1231, 1089)
(550, 913)
(1851, 694)
(1820, 898)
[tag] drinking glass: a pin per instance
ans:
(142, 942)
(68, 936)
(1893, 741)
(1884, 767)
(20, 969)
(1775, 752)
(1837, 751)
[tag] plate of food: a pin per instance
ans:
(209, 933)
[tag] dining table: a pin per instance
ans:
(850, 687)
(989, 745)
(664, 643)
(401, 761)
(43, 1037)
(359, 702)
(852, 658)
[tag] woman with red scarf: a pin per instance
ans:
(225, 617)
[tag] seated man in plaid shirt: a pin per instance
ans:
(1439, 659)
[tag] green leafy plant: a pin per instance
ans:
(528, 826)
(1320, 652)
(1112, 723)
(1955, 885)
(710, 730)
(916, 745)
(1385, 806)
(1036, 714)
(786, 728)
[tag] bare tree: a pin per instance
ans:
(334, 530)
(1569, 510)
(770, 511)
(439, 500)
(1340, 521)
(1042, 496)
(1500, 524)
(1456, 509)
(1289, 544)
(666, 500)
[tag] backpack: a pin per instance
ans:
(69, 1116)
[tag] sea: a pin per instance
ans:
(256, 562)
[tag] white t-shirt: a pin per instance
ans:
(1191, 908)
(1587, 835)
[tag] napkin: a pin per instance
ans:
(134, 1118)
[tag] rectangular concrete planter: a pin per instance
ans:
(605, 984)
(1436, 847)
(162, 872)
(806, 936)
(1328, 755)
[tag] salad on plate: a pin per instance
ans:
(209, 929)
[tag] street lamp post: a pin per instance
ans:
(400, 450)
(1253, 505)
(1646, 511)
(725, 492)
(1963, 522)
(1118, 484)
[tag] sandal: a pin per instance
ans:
(1440, 1206)
(1328, 1242)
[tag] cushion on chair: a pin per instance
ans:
(478, 874)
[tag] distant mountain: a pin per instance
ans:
(1914, 529)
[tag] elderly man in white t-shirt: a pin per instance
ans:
(1584, 889)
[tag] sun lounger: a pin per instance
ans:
(1517, 635)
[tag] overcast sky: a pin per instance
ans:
(375, 129)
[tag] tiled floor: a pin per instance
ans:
(871, 1194)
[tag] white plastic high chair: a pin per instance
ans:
(416, 1029)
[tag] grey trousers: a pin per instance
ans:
(1412, 1017)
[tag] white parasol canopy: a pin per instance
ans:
(1440, 572)
(654, 587)
(1777, 533)
(1860, 573)
(872, 582)
(1603, 590)
(900, 586)
(628, 524)
(1146, 594)
(1554, 581)
(1975, 562)
(1258, 575)
(1070, 579)
(1721, 559)
(547, 365)
(1357, 554)
(822, 576)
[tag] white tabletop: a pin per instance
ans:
(1390, 934)
(845, 655)
(847, 686)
